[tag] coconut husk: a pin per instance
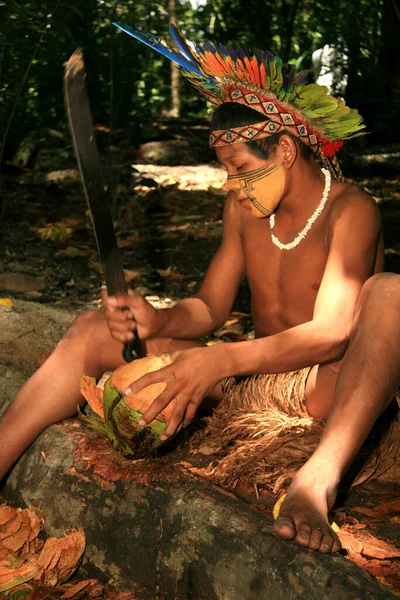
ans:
(124, 376)
(261, 434)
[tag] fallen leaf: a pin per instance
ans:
(368, 512)
(8, 302)
(388, 507)
(72, 252)
(57, 232)
(376, 548)
(131, 275)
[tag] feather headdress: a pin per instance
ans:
(264, 83)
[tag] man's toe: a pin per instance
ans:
(304, 532)
(327, 543)
(316, 537)
(284, 527)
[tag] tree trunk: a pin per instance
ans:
(175, 95)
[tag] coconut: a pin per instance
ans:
(120, 414)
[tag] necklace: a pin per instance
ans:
(310, 221)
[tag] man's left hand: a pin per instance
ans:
(191, 376)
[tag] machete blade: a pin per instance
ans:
(82, 131)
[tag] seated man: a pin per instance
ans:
(311, 249)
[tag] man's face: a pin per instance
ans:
(258, 184)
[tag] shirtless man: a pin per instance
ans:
(318, 303)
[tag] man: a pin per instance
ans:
(315, 299)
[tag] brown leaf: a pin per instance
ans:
(376, 548)
(131, 275)
(368, 512)
(394, 520)
(388, 507)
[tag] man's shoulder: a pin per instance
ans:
(351, 201)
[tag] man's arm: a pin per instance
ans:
(353, 241)
(208, 310)
(198, 315)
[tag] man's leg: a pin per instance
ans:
(368, 379)
(52, 393)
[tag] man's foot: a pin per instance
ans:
(303, 517)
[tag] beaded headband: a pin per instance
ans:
(264, 83)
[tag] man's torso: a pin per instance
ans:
(284, 283)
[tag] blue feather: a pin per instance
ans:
(156, 43)
(182, 43)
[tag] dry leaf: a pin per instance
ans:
(368, 512)
(388, 507)
(376, 548)
(131, 275)
(57, 232)
(7, 302)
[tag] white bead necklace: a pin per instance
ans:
(310, 221)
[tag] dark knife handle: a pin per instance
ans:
(132, 350)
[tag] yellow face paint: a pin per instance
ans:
(264, 188)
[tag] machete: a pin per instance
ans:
(81, 126)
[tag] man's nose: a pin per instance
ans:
(231, 184)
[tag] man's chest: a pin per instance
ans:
(284, 283)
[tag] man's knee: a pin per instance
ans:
(87, 324)
(383, 287)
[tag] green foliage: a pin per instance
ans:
(129, 84)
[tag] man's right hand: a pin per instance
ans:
(127, 312)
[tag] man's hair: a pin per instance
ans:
(233, 114)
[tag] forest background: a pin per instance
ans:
(130, 85)
(145, 112)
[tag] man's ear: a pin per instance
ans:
(288, 150)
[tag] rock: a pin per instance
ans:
(19, 282)
(29, 332)
(174, 152)
(64, 175)
(25, 151)
(199, 177)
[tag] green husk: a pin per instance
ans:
(121, 426)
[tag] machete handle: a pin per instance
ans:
(132, 350)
